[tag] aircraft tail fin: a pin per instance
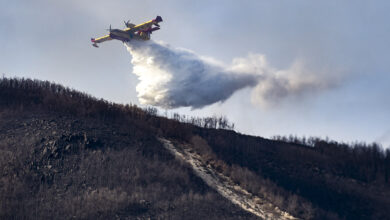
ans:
(158, 19)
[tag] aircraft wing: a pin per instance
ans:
(142, 26)
(100, 40)
(145, 25)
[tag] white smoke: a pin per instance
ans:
(171, 77)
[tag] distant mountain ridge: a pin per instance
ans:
(65, 154)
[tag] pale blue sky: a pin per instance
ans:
(49, 40)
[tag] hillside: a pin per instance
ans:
(65, 154)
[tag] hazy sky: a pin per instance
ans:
(50, 40)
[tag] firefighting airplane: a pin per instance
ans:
(136, 32)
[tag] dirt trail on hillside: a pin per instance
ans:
(225, 186)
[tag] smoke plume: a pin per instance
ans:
(172, 77)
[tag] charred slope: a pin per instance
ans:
(65, 154)
(340, 181)
(59, 163)
(64, 167)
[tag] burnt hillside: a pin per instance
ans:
(66, 154)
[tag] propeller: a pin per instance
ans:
(109, 29)
(126, 23)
